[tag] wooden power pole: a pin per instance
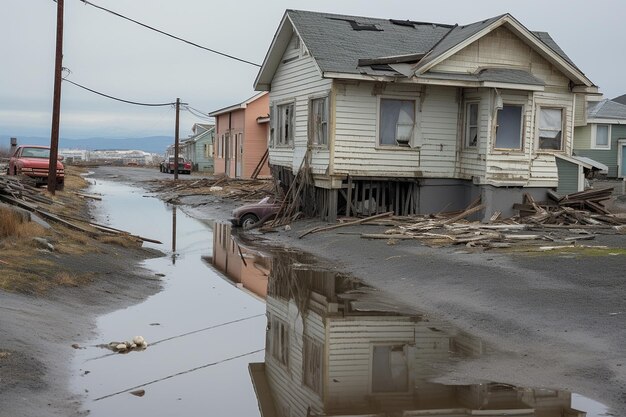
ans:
(176, 139)
(56, 102)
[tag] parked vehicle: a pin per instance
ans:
(34, 162)
(249, 214)
(184, 167)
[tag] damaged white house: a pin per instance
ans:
(413, 117)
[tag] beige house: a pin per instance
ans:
(418, 117)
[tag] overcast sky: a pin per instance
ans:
(122, 59)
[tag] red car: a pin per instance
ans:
(184, 167)
(34, 161)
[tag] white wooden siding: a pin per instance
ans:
(356, 150)
(439, 128)
(502, 48)
(298, 80)
(350, 342)
(287, 382)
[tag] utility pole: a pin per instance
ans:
(56, 103)
(176, 139)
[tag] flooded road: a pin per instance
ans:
(185, 325)
(238, 328)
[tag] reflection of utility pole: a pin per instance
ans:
(56, 102)
(176, 140)
(174, 230)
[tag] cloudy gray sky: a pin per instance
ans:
(125, 60)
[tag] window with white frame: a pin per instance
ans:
(471, 124)
(220, 146)
(396, 121)
(390, 371)
(284, 124)
(550, 129)
(601, 137)
(509, 127)
(312, 364)
(318, 121)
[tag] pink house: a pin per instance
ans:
(241, 138)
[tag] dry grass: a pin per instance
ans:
(25, 269)
(124, 241)
(13, 224)
(66, 279)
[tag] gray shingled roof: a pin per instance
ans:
(621, 99)
(606, 109)
(337, 47)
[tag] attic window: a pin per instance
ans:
(358, 26)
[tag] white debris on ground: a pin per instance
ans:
(137, 343)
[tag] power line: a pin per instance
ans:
(179, 374)
(197, 113)
(169, 34)
(119, 99)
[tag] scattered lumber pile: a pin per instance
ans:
(546, 226)
(582, 208)
(222, 186)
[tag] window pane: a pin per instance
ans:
(473, 114)
(508, 133)
(550, 127)
(471, 127)
(602, 135)
(397, 118)
(319, 125)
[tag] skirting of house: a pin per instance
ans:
(366, 196)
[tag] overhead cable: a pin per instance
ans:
(136, 103)
(154, 381)
(170, 35)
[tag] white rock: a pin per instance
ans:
(133, 345)
(144, 344)
(138, 340)
(121, 346)
(287, 228)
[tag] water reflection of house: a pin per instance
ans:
(336, 348)
(242, 265)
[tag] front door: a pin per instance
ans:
(239, 157)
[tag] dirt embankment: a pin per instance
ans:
(54, 281)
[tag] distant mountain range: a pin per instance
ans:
(153, 144)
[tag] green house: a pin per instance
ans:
(603, 138)
(197, 148)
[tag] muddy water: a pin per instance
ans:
(335, 346)
(238, 327)
(186, 325)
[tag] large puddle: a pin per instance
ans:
(244, 331)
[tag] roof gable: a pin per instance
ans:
(342, 44)
(462, 36)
